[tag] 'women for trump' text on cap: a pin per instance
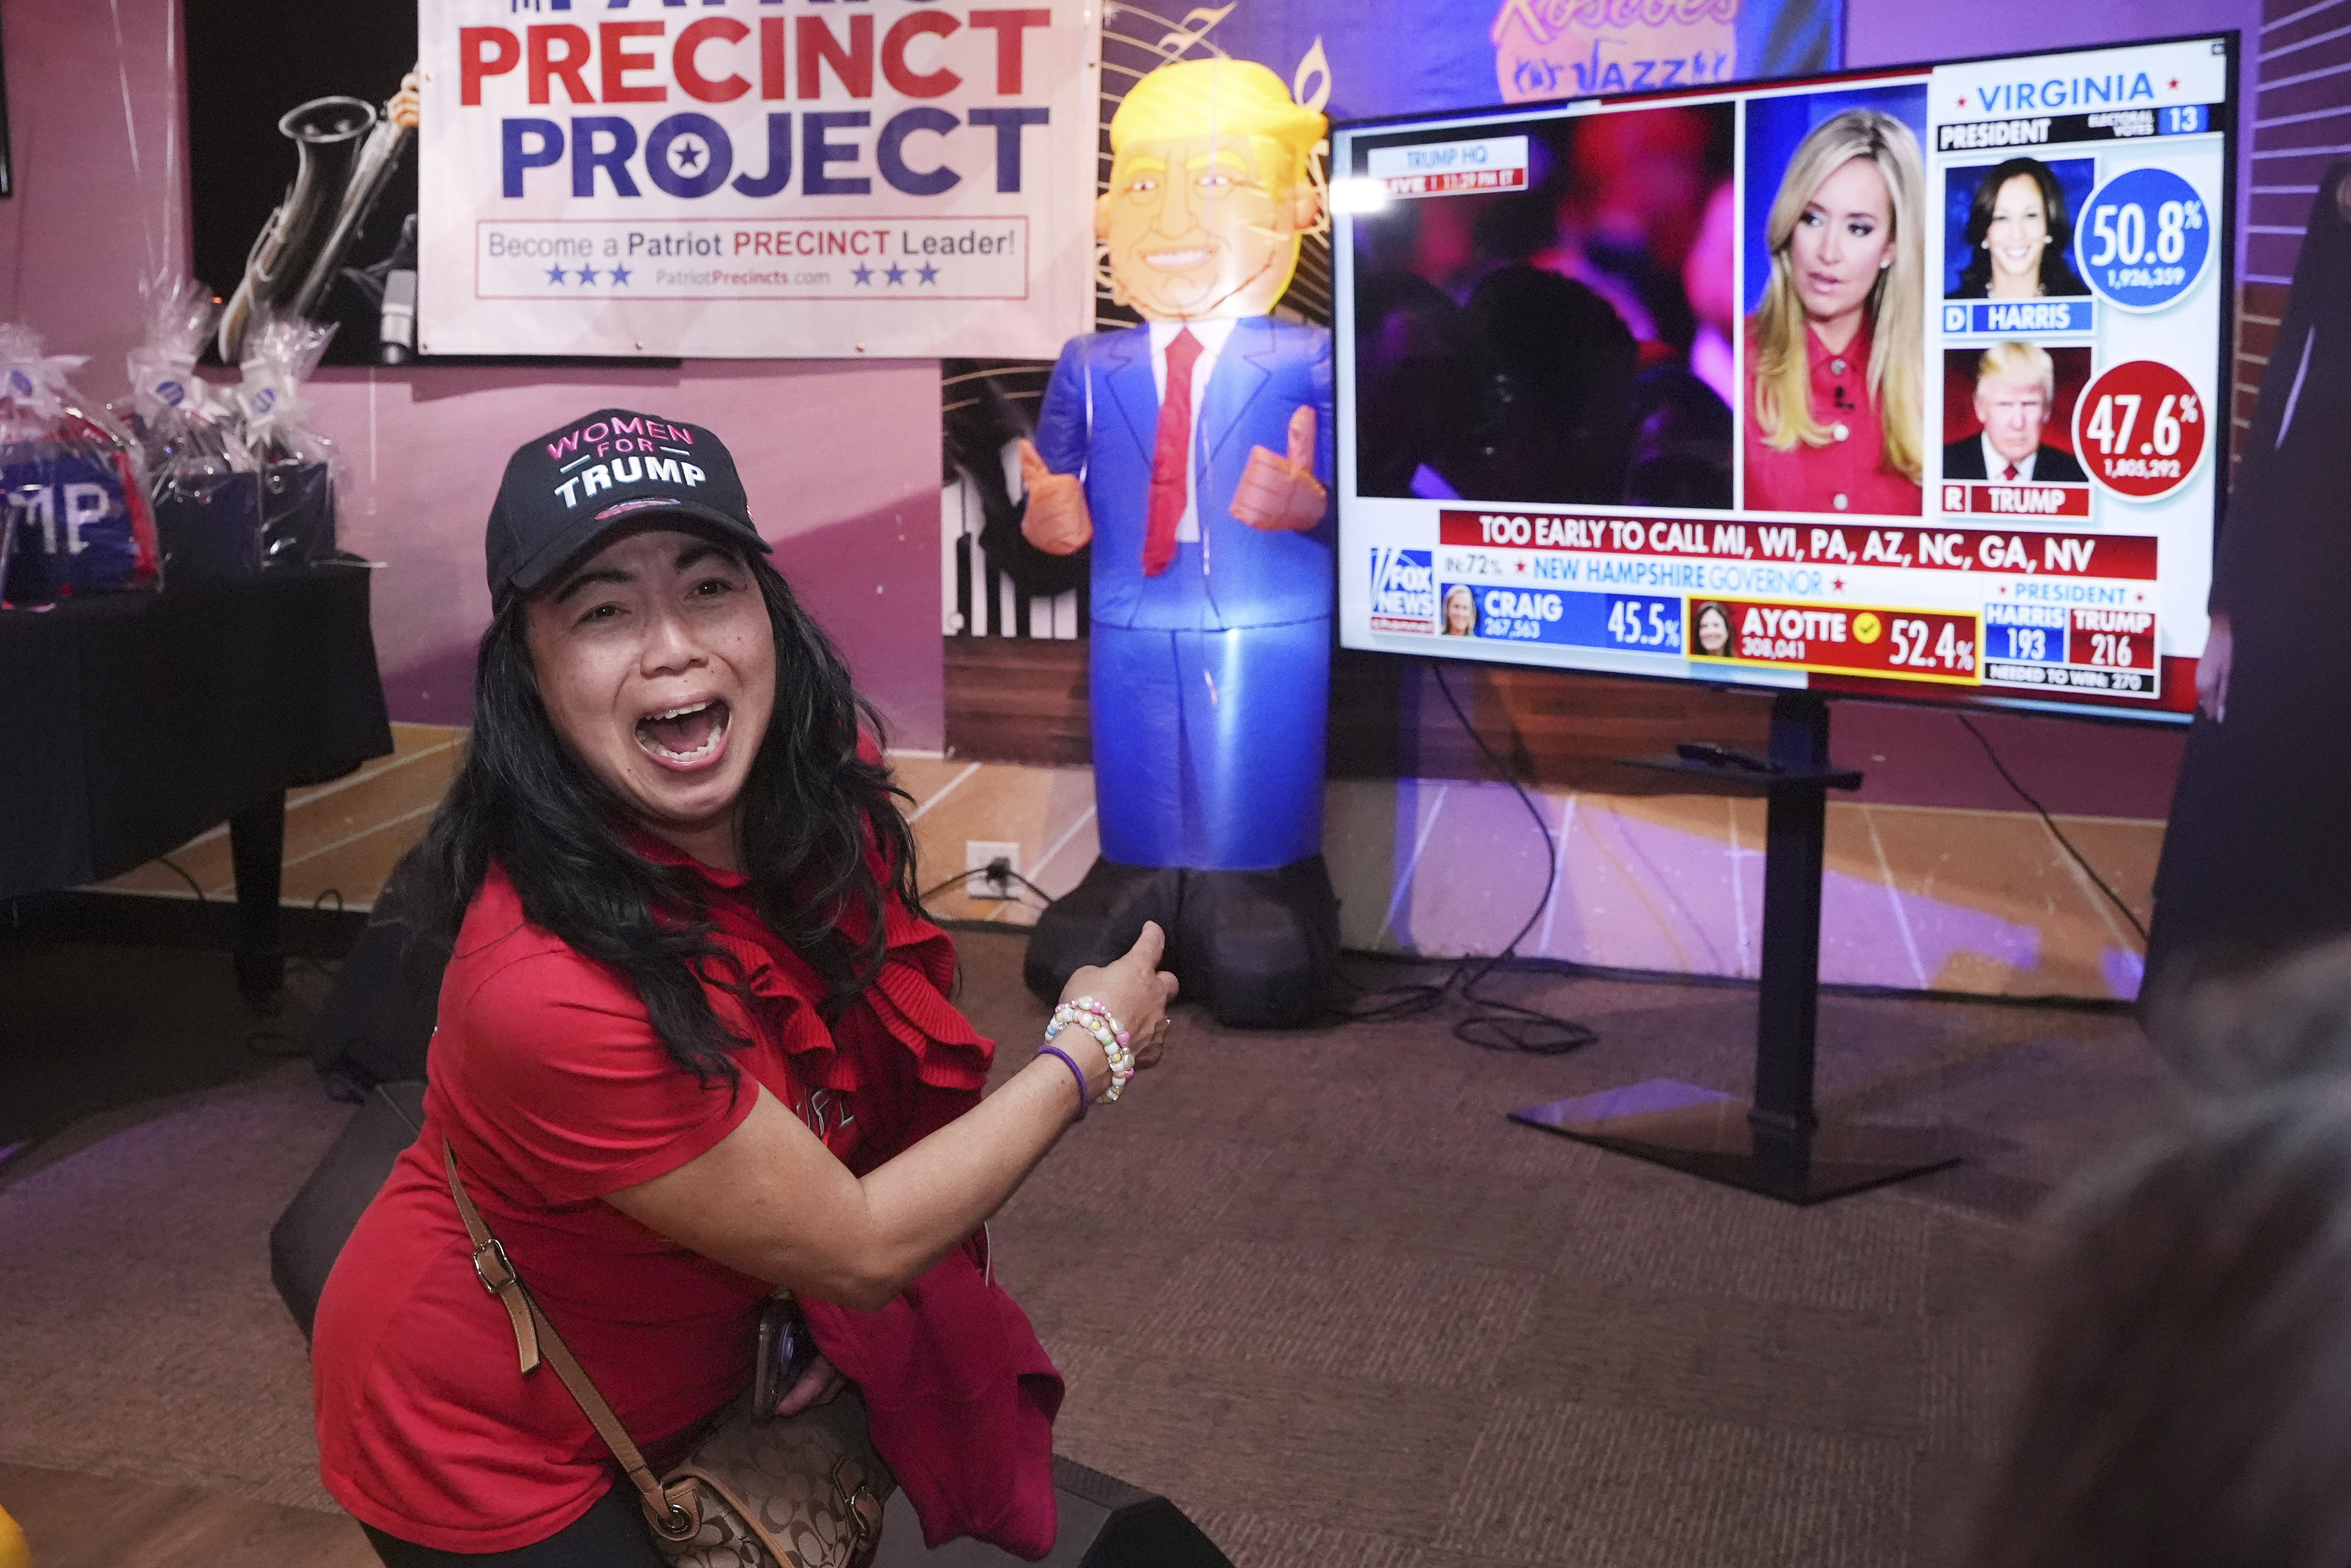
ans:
(567, 489)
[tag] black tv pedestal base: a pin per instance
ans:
(1776, 1144)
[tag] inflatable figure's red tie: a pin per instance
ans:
(1170, 456)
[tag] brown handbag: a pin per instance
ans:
(800, 1491)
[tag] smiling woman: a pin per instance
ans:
(693, 1045)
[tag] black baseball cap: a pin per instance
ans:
(567, 489)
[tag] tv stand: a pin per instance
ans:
(1776, 1144)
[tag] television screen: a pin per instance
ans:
(1903, 383)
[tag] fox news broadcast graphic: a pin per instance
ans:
(1905, 382)
(754, 179)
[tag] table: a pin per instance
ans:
(133, 722)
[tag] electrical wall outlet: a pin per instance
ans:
(978, 854)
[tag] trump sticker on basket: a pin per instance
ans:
(907, 177)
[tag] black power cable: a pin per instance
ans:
(2050, 823)
(997, 870)
(1493, 1024)
(193, 885)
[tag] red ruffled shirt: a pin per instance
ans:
(1848, 475)
(546, 1078)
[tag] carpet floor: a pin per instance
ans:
(1313, 1285)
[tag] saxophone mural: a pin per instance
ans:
(1194, 452)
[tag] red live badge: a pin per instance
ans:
(2139, 430)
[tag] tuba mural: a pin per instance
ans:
(346, 150)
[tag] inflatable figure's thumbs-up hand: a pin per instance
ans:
(1277, 493)
(1057, 521)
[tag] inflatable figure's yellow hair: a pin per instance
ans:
(1218, 98)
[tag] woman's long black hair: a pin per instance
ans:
(523, 801)
(2057, 275)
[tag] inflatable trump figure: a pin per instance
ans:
(1194, 452)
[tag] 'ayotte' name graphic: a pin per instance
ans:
(1915, 645)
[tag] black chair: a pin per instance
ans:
(310, 1236)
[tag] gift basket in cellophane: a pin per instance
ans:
(203, 481)
(78, 520)
(298, 464)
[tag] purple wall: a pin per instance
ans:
(842, 461)
(97, 123)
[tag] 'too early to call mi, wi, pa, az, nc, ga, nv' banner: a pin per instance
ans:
(750, 179)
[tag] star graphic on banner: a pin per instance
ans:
(929, 274)
(1838, 584)
(554, 275)
(1521, 567)
(587, 274)
(2174, 84)
(863, 272)
(685, 153)
(619, 273)
(896, 273)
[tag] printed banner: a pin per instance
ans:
(751, 180)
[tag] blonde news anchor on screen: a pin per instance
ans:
(1833, 374)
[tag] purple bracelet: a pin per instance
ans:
(1084, 1100)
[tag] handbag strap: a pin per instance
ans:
(671, 1511)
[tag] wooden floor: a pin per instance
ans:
(341, 838)
(88, 1521)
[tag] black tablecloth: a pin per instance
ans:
(131, 723)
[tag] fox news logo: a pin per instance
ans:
(1403, 590)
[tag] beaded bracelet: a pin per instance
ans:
(1122, 1057)
(1106, 1033)
(1085, 1094)
(1096, 1019)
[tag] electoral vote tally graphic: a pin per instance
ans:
(738, 180)
(2055, 313)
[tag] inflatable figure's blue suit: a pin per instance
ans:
(1215, 674)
